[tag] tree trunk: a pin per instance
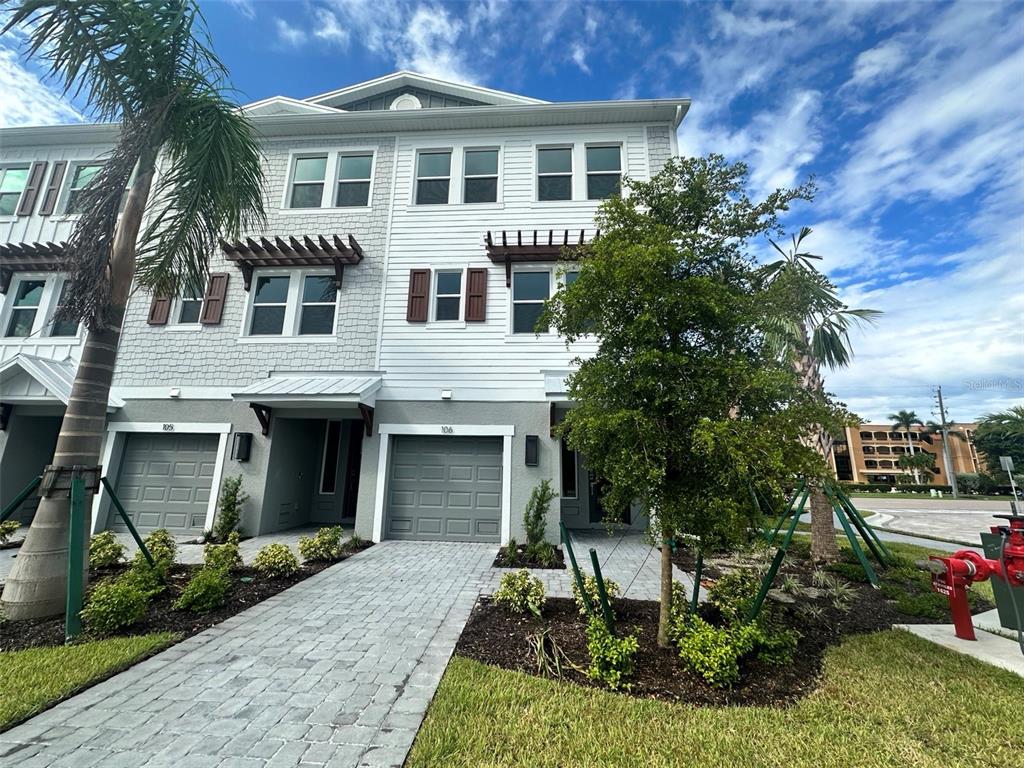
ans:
(37, 583)
(910, 447)
(665, 610)
(823, 531)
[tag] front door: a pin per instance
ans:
(353, 460)
(596, 485)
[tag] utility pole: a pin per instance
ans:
(947, 456)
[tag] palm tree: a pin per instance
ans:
(146, 64)
(905, 420)
(946, 431)
(821, 337)
(1002, 434)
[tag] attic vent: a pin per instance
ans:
(406, 101)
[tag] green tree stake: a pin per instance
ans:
(25, 493)
(696, 580)
(602, 595)
(575, 568)
(76, 559)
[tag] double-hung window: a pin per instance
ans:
(298, 304)
(354, 180)
(67, 327)
(27, 298)
(319, 295)
(433, 177)
(308, 174)
(12, 184)
(554, 173)
(80, 179)
(604, 172)
(529, 292)
(190, 305)
(32, 303)
(481, 176)
(269, 303)
(447, 295)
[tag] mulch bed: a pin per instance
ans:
(522, 561)
(248, 589)
(494, 635)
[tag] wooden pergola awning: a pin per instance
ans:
(309, 251)
(28, 257)
(517, 247)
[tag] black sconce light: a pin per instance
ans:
(241, 447)
(532, 450)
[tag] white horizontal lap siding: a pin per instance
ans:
(482, 360)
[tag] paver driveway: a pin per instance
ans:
(335, 671)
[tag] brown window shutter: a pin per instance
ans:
(35, 183)
(159, 311)
(213, 301)
(476, 295)
(53, 188)
(419, 290)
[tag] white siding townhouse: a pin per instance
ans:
(370, 357)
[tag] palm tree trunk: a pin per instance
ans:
(38, 581)
(824, 548)
(910, 447)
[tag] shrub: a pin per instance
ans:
(611, 588)
(714, 652)
(520, 592)
(149, 581)
(162, 548)
(733, 594)
(510, 552)
(205, 591)
(323, 547)
(535, 519)
(229, 507)
(927, 605)
(611, 657)
(105, 550)
(226, 556)
(775, 643)
(7, 530)
(542, 553)
(275, 560)
(850, 571)
(114, 605)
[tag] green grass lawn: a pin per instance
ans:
(888, 699)
(33, 679)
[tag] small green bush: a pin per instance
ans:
(542, 553)
(206, 591)
(611, 588)
(162, 548)
(275, 560)
(927, 605)
(229, 507)
(612, 659)
(520, 592)
(323, 547)
(510, 551)
(7, 530)
(775, 643)
(226, 556)
(535, 518)
(114, 605)
(733, 594)
(105, 550)
(147, 580)
(850, 571)
(714, 652)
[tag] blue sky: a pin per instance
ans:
(909, 115)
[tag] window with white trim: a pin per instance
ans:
(604, 172)
(448, 295)
(530, 289)
(62, 328)
(296, 303)
(319, 297)
(189, 307)
(554, 173)
(13, 179)
(28, 295)
(308, 174)
(30, 305)
(433, 177)
(354, 179)
(81, 177)
(269, 305)
(332, 447)
(480, 176)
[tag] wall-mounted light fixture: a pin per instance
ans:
(241, 446)
(532, 450)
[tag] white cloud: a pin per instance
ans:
(875, 63)
(579, 56)
(289, 35)
(26, 100)
(431, 45)
(244, 7)
(327, 28)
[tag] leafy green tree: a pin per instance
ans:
(1002, 434)
(812, 329)
(148, 66)
(918, 463)
(684, 404)
(905, 420)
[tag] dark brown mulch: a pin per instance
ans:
(248, 589)
(686, 560)
(522, 561)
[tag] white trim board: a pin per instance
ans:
(505, 431)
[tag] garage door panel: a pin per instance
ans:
(444, 488)
(186, 469)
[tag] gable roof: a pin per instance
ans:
(42, 380)
(407, 79)
(285, 105)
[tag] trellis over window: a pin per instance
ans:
(310, 251)
(508, 248)
(28, 257)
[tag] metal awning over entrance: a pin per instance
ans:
(30, 379)
(313, 390)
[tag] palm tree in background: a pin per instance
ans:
(905, 420)
(819, 338)
(148, 65)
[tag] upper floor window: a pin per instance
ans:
(80, 179)
(447, 295)
(308, 176)
(529, 292)
(297, 304)
(190, 306)
(554, 173)
(433, 177)
(63, 327)
(12, 184)
(481, 176)
(604, 172)
(354, 180)
(31, 304)
(319, 296)
(25, 307)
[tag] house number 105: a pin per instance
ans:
(168, 427)
(447, 431)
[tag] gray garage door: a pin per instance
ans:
(445, 489)
(165, 481)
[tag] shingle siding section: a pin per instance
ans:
(213, 355)
(659, 147)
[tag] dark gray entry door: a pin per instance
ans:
(444, 489)
(165, 481)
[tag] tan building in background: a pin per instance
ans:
(869, 453)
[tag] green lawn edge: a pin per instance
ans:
(36, 679)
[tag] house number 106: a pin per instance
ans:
(447, 430)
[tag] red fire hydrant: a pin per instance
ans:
(967, 567)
